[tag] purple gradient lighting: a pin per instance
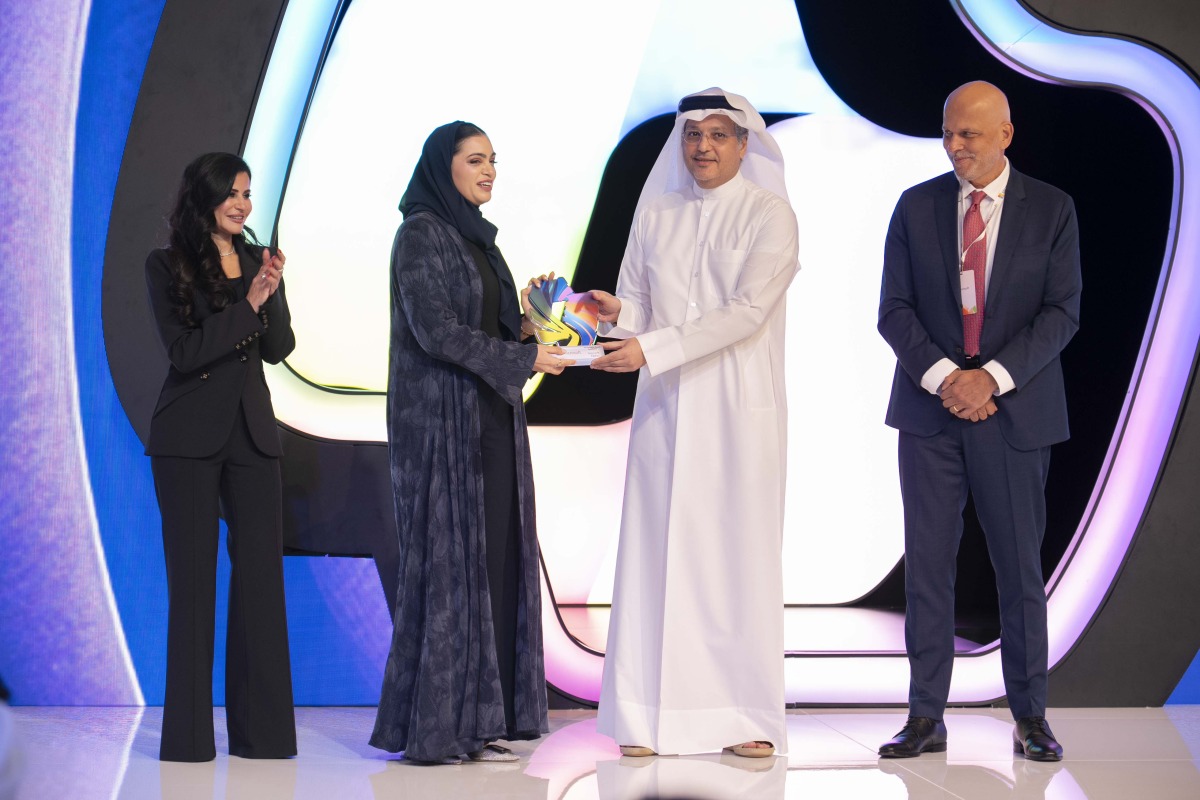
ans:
(61, 641)
(569, 667)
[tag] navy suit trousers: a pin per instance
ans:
(1008, 486)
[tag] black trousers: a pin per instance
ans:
(245, 484)
(502, 526)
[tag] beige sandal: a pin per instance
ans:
(636, 752)
(752, 752)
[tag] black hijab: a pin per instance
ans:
(432, 189)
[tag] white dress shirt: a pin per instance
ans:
(991, 207)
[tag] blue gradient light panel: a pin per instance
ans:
(60, 635)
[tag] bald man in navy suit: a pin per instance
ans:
(981, 287)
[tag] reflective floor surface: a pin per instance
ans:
(1110, 753)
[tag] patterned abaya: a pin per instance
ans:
(442, 690)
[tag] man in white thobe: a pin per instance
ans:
(695, 646)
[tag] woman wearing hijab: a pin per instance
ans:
(220, 310)
(465, 666)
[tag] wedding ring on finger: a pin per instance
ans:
(953, 409)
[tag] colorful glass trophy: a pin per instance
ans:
(567, 319)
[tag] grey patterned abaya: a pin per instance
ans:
(441, 689)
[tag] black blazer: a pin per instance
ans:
(216, 365)
(1032, 305)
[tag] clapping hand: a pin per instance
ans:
(267, 280)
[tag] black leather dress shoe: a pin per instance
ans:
(919, 735)
(1033, 738)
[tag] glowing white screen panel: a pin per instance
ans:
(395, 71)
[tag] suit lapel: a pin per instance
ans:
(1011, 222)
(249, 268)
(945, 209)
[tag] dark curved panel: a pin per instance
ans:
(337, 500)
(197, 95)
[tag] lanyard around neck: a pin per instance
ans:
(987, 226)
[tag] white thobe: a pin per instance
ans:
(695, 644)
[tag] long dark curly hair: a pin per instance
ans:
(195, 262)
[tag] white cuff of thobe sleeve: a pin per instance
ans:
(662, 349)
(630, 322)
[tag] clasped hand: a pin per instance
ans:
(968, 394)
(267, 280)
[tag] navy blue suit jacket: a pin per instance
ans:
(1031, 312)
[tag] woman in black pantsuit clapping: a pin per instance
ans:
(220, 309)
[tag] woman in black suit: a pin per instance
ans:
(219, 305)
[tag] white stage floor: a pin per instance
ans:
(83, 753)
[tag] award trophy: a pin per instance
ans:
(562, 317)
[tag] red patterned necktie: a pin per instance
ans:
(974, 260)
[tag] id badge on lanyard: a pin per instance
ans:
(966, 287)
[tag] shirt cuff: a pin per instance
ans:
(1003, 379)
(931, 381)
(627, 326)
(662, 350)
